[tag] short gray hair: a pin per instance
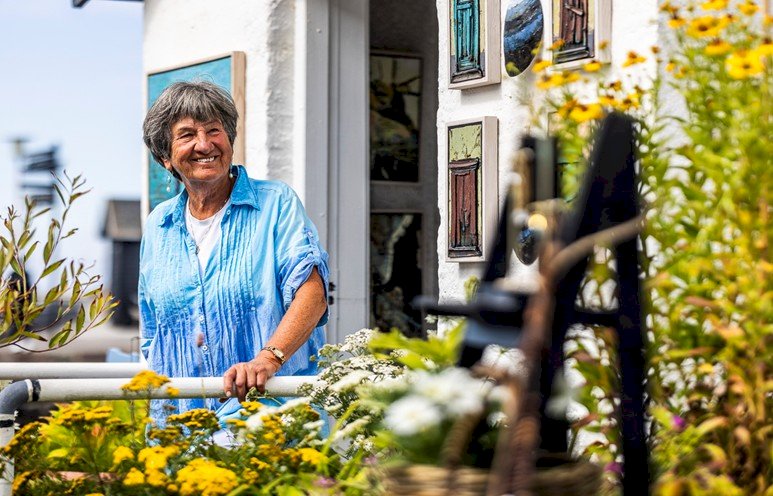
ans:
(199, 100)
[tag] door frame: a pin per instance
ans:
(332, 153)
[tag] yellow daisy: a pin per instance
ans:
(748, 7)
(707, 26)
(592, 66)
(541, 66)
(744, 64)
(766, 48)
(676, 22)
(583, 113)
(714, 5)
(633, 58)
(717, 47)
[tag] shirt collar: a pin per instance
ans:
(241, 194)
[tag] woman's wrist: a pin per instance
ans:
(271, 357)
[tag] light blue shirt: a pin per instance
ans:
(267, 250)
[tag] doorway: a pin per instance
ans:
(404, 218)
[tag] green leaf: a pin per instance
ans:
(80, 319)
(30, 251)
(51, 268)
(58, 453)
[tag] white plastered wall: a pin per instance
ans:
(181, 31)
(633, 27)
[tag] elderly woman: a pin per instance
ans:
(232, 276)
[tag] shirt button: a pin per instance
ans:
(228, 212)
(201, 319)
(205, 348)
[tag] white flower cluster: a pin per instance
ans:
(430, 399)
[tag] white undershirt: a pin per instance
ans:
(205, 233)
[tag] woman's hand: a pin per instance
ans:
(244, 376)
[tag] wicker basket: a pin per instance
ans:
(559, 475)
(429, 480)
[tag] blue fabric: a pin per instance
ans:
(267, 250)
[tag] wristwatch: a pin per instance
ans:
(279, 354)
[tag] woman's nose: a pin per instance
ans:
(203, 143)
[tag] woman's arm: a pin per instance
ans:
(305, 311)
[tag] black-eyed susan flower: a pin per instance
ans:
(717, 46)
(748, 7)
(586, 112)
(592, 66)
(541, 66)
(557, 45)
(714, 5)
(766, 48)
(633, 58)
(744, 64)
(707, 26)
(676, 22)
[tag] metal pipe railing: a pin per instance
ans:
(72, 389)
(15, 371)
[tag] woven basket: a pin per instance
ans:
(429, 480)
(559, 475)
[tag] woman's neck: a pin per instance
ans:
(206, 200)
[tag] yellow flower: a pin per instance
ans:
(616, 85)
(204, 478)
(748, 7)
(134, 478)
(707, 26)
(714, 5)
(556, 45)
(155, 478)
(155, 457)
(592, 66)
(765, 49)
(630, 101)
(172, 488)
(122, 453)
(603, 44)
(95, 494)
(172, 391)
(541, 66)
(743, 64)
(670, 67)
(583, 113)
(676, 22)
(717, 47)
(310, 455)
(145, 380)
(567, 107)
(608, 101)
(633, 58)
(668, 7)
(655, 49)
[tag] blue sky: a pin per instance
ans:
(73, 78)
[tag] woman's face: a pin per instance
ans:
(201, 151)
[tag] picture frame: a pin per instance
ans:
(474, 43)
(471, 188)
(226, 70)
(585, 26)
(396, 80)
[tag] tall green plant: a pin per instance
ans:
(75, 299)
(706, 170)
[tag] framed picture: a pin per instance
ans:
(474, 43)
(523, 32)
(227, 71)
(583, 27)
(395, 116)
(472, 188)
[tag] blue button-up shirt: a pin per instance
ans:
(196, 324)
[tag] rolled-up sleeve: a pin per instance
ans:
(298, 250)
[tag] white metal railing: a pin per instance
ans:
(18, 371)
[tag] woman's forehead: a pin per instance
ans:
(192, 122)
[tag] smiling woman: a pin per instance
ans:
(245, 244)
